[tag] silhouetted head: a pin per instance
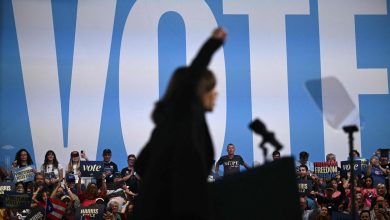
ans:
(178, 92)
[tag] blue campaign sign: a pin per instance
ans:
(91, 168)
(82, 75)
(23, 174)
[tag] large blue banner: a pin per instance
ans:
(84, 75)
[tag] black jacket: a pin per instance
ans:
(178, 157)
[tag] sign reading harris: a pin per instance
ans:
(305, 186)
(90, 212)
(6, 187)
(326, 170)
(91, 168)
(14, 200)
(24, 174)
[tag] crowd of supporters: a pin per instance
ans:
(331, 198)
(115, 191)
(59, 192)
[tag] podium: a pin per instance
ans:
(266, 192)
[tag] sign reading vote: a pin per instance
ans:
(359, 166)
(14, 200)
(91, 168)
(90, 212)
(24, 174)
(326, 170)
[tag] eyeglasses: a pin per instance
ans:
(75, 154)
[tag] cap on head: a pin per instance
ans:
(65, 197)
(70, 178)
(99, 200)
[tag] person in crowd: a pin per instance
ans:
(331, 157)
(307, 185)
(52, 169)
(323, 214)
(177, 159)
(19, 187)
(92, 192)
(129, 176)
(4, 174)
(231, 162)
(376, 171)
(19, 213)
(384, 164)
(40, 195)
(276, 155)
(22, 159)
(109, 167)
(380, 209)
(129, 212)
(365, 215)
(360, 204)
(369, 191)
(356, 155)
(307, 213)
(72, 201)
(83, 155)
(39, 181)
(304, 160)
(70, 181)
(382, 191)
(327, 199)
(39, 186)
(336, 192)
(114, 211)
(74, 164)
(304, 173)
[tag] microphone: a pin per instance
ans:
(259, 128)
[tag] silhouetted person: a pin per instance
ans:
(178, 157)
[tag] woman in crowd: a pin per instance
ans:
(52, 169)
(22, 159)
(73, 167)
(114, 210)
(369, 191)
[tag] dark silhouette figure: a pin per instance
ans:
(178, 157)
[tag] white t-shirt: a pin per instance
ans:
(49, 168)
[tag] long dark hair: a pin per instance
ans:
(55, 161)
(17, 157)
(184, 87)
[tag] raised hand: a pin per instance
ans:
(219, 33)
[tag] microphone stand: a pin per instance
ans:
(350, 130)
(259, 127)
